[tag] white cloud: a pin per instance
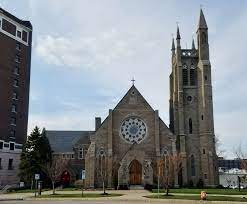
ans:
(62, 121)
(103, 49)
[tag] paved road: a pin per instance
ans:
(118, 202)
(130, 196)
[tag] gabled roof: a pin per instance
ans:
(128, 94)
(64, 141)
(132, 88)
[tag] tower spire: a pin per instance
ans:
(178, 33)
(173, 44)
(202, 22)
(178, 37)
(193, 44)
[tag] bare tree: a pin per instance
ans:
(54, 169)
(103, 172)
(169, 166)
(242, 155)
(218, 147)
(228, 181)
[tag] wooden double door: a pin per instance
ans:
(135, 173)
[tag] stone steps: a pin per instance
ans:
(136, 187)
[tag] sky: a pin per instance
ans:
(85, 53)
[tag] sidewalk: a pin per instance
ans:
(132, 196)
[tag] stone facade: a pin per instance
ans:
(9, 164)
(119, 153)
(191, 109)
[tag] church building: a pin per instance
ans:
(133, 146)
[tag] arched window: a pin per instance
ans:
(204, 38)
(192, 75)
(185, 74)
(192, 165)
(190, 126)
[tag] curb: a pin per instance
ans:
(11, 199)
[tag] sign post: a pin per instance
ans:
(36, 177)
(83, 176)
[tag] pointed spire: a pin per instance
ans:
(202, 22)
(178, 33)
(173, 44)
(193, 44)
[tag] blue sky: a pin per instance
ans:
(86, 52)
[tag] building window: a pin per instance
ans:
(10, 166)
(190, 126)
(205, 176)
(16, 83)
(202, 117)
(80, 153)
(204, 151)
(1, 145)
(204, 38)
(24, 36)
(17, 70)
(206, 77)
(15, 96)
(192, 75)
(185, 75)
(13, 108)
(12, 133)
(189, 98)
(72, 156)
(13, 121)
(9, 27)
(0, 163)
(12, 146)
(18, 34)
(17, 58)
(192, 163)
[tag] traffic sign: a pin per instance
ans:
(83, 174)
(37, 176)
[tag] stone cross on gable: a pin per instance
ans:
(133, 81)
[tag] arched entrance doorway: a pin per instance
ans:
(135, 172)
(65, 178)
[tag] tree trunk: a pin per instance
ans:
(167, 190)
(53, 187)
(104, 186)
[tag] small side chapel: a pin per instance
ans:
(127, 146)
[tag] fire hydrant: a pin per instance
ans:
(203, 195)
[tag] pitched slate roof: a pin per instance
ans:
(63, 141)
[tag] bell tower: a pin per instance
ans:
(191, 109)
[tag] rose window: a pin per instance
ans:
(133, 130)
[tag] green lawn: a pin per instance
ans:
(208, 191)
(194, 197)
(78, 195)
(26, 190)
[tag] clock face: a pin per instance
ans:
(133, 130)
